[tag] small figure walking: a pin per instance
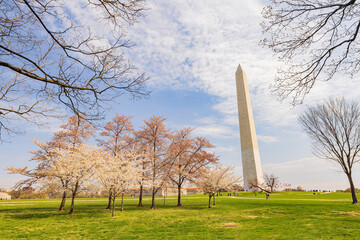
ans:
(267, 195)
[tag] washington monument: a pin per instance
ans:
(251, 164)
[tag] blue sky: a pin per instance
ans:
(191, 50)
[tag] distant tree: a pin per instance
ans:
(334, 127)
(117, 134)
(348, 190)
(26, 193)
(300, 189)
(190, 158)
(315, 39)
(271, 181)
(216, 178)
(236, 188)
(51, 57)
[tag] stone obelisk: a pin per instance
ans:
(251, 164)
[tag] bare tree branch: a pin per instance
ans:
(334, 127)
(48, 56)
(315, 39)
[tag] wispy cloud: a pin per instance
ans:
(268, 139)
(225, 149)
(214, 130)
(191, 45)
(185, 44)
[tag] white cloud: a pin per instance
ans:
(225, 149)
(185, 44)
(197, 46)
(231, 120)
(214, 130)
(268, 139)
(207, 120)
(192, 45)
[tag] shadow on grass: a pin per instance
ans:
(94, 209)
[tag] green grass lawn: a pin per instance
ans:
(291, 215)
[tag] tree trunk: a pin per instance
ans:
(179, 196)
(63, 200)
(214, 199)
(109, 202)
(140, 197)
(72, 203)
(209, 200)
(122, 202)
(153, 198)
(352, 187)
(113, 207)
(73, 198)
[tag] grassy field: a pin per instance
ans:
(284, 216)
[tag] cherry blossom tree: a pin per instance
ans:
(215, 178)
(76, 165)
(117, 134)
(75, 132)
(190, 158)
(36, 174)
(119, 172)
(155, 140)
(39, 174)
(144, 168)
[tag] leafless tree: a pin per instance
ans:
(334, 127)
(315, 39)
(49, 55)
(271, 181)
(257, 186)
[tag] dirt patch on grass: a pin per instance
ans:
(355, 214)
(229, 225)
(257, 213)
(30, 229)
(258, 209)
(17, 204)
